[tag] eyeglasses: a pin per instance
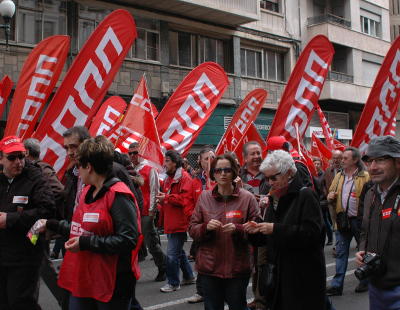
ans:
(272, 177)
(220, 170)
(378, 161)
(133, 153)
(13, 157)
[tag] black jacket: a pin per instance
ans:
(376, 228)
(296, 248)
(15, 247)
(126, 232)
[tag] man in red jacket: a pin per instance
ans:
(149, 189)
(176, 196)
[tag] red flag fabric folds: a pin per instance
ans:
(6, 85)
(242, 119)
(303, 90)
(251, 134)
(190, 106)
(37, 79)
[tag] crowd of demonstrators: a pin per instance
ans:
(149, 188)
(379, 253)
(344, 192)
(293, 231)
(268, 219)
(223, 255)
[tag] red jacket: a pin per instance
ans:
(223, 255)
(178, 198)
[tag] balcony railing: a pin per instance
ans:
(328, 18)
(340, 77)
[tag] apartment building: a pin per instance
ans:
(257, 42)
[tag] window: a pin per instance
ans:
(251, 62)
(182, 49)
(273, 65)
(189, 50)
(147, 44)
(37, 20)
(270, 5)
(370, 23)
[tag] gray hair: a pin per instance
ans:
(280, 160)
(33, 147)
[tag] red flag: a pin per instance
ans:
(154, 110)
(325, 128)
(382, 100)
(251, 134)
(241, 120)
(108, 115)
(339, 145)
(306, 159)
(139, 121)
(6, 85)
(38, 77)
(85, 84)
(391, 128)
(321, 151)
(303, 90)
(190, 106)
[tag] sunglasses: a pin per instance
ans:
(272, 177)
(220, 170)
(133, 153)
(13, 157)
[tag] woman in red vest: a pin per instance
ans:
(100, 267)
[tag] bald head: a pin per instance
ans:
(337, 156)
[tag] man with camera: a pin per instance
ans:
(380, 237)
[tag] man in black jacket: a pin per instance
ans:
(381, 224)
(25, 198)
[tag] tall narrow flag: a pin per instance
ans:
(382, 100)
(326, 130)
(190, 106)
(37, 79)
(241, 120)
(85, 84)
(251, 134)
(303, 90)
(6, 85)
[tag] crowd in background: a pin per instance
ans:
(267, 219)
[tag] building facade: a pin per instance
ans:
(257, 42)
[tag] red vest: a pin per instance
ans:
(145, 173)
(89, 274)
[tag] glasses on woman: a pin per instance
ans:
(272, 177)
(224, 170)
(13, 157)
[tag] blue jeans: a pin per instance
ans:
(218, 290)
(384, 299)
(343, 241)
(176, 258)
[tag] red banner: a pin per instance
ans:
(6, 85)
(190, 106)
(241, 120)
(84, 86)
(319, 150)
(325, 128)
(251, 134)
(38, 77)
(140, 125)
(382, 100)
(303, 90)
(391, 128)
(339, 145)
(108, 115)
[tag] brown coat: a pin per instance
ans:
(223, 255)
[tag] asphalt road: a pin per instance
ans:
(149, 295)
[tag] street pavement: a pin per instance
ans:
(149, 295)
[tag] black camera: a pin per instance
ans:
(373, 265)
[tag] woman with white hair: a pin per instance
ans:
(293, 232)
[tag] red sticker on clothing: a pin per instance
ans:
(234, 214)
(386, 213)
(353, 194)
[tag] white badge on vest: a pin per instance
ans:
(91, 217)
(20, 199)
